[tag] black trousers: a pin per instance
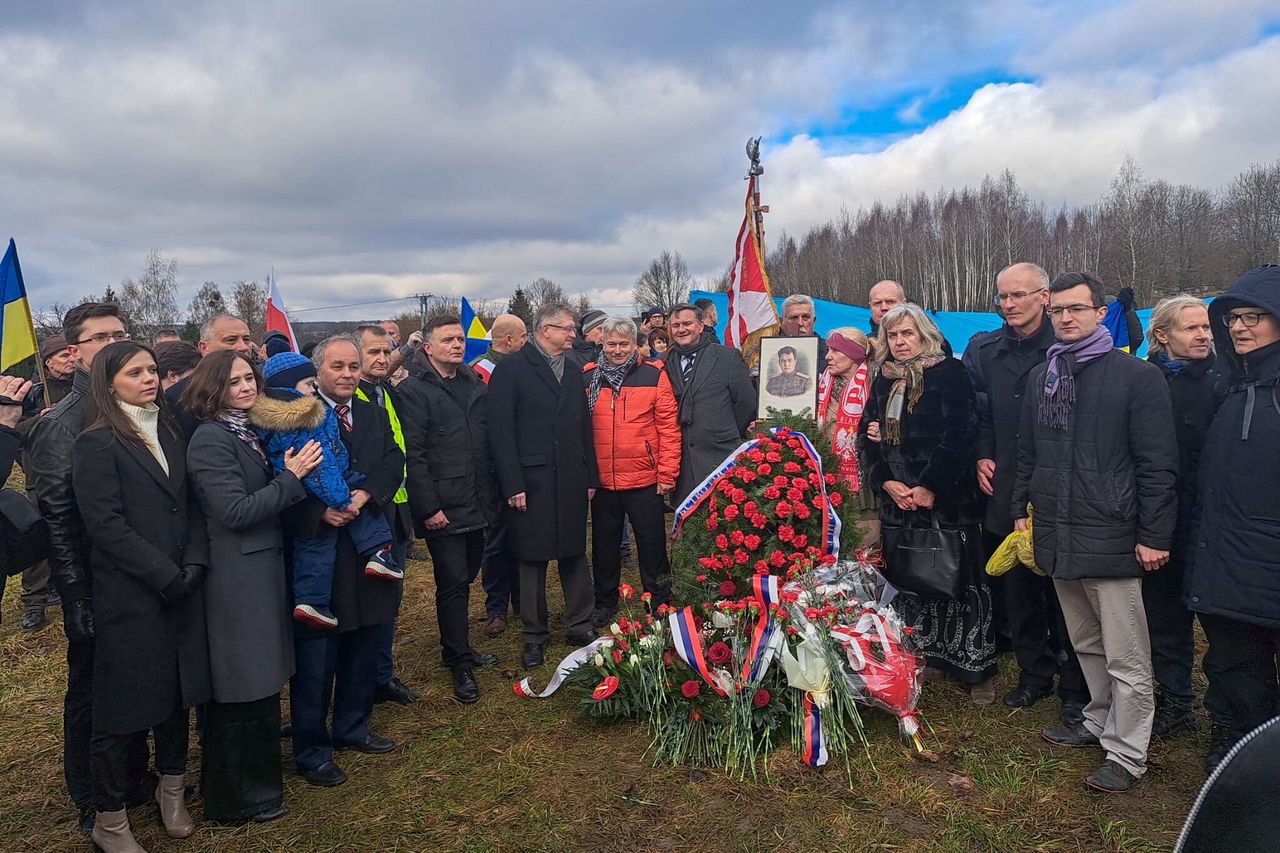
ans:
(1172, 629)
(240, 774)
(455, 559)
(1241, 667)
(110, 758)
(501, 576)
(609, 512)
(1038, 632)
(575, 580)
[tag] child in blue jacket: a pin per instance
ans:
(289, 415)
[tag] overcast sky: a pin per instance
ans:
(373, 150)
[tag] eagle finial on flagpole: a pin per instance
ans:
(753, 154)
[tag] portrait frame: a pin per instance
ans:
(788, 394)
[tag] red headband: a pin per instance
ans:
(843, 345)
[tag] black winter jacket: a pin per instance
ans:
(1236, 568)
(938, 449)
(447, 444)
(1107, 483)
(998, 363)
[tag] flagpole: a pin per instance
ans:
(759, 210)
(44, 380)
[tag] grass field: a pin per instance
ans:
(513, 774)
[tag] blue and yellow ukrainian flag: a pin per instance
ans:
(17, 336)
(477, 334)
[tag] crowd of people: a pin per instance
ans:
(228, 517)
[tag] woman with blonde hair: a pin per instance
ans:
(925, 463)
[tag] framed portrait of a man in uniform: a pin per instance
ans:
(789, 373)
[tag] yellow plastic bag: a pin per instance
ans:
(1016, 548)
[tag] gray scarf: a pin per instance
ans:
(555, 362)
(606, 372)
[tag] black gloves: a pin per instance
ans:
(77, 620)
(187, 579)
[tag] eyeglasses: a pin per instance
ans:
(1016, 296)
(104, 338)
(1248, 318)
(566, 329)
(1073, 310)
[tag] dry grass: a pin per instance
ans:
(512, 774)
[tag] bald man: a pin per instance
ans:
(500, 572)
(885, 295)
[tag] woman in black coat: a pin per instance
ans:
(247, 602)
(149, 553)
(918, 439)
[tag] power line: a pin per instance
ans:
(351, 305)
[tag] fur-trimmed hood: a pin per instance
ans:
(279, 414)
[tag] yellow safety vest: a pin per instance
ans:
(402, 495)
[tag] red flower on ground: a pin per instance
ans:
(836, 498)
(782, 510)
(795, 495)
(777, 559)
(722, 541)
(605, 689)
(791, 467)
(730, 512)
(749, 508)
(736, 537)
(617, 655)
(752, 541)
(719, 653)
(690, 689)
(761, 698)
(786, 532)
(626, 591)
(741, 557)
(764, 469)
(728, 588)
(773, 493)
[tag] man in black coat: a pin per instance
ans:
(543, 450)
(338, 670)
(451, 488)
(1234, 575)
(1180, 344)
(998, 363)
(716, 397)
(88, 329)
(1098, 459)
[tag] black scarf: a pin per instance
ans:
(606, 372)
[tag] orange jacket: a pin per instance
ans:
(638, 434)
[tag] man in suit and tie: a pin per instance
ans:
(337, 671)
(717, 399)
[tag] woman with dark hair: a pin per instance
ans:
(246, 597)
(922, 456)
(149, 553)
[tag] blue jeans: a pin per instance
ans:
(314, 557)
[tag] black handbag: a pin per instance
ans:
(924, 560)
(24, 535)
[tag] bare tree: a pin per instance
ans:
(150, 302)
(208, 302)
(249, 303)
(664, 283)
(544, 291)
(48, 321)
(582, 304)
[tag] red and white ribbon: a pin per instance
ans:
(568, 665)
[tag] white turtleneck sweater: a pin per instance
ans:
(146, 419)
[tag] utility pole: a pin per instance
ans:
(424, 300)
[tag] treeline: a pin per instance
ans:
(1156, 237)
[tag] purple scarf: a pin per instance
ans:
(1059, 384)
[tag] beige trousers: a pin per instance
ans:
(1108, 626)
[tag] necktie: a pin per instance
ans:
(686, 368)
(344, 416)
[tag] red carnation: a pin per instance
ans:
(755, 456)
(702, 578)
(728, 588)
(800, 540)
(738, 496)
(800, 483)
(719, 653)
(773, 493)
(762, 567)
(782, 510)
(752, 541)
(773, 456)
(759, 522)
(761, 698)
(749, 508)
(690, 689)
(786, 532)
(712, 524)
(780, 481)
(828, 560)
(746, 476)
(617, 655)
(668, 658)
(730, 512)
(764, 469)
(725, 561)
(736, 537)
(790, 596)
(802, 512)
(815, 480)
(777, 559)
(741, 557)
(817, 501)
(722, 541)
(791, 467)
(795, 495)
(830, 478)
(836, 498)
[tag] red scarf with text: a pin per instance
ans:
(842, 425)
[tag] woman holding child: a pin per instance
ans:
(246, 595)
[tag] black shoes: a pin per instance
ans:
(579, 640)
(532, 655)
(275, 813)
(1221, 739)
(602, 616)
(33, 620)
(1111, 778)
(370, 745)
(1026, 695)
(480, 659)
(465, 688)
(1171, 719)
(1073, 713)
(1076, 735)
(327, 775)
(395, 691)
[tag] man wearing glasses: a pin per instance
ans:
(1098, 460)
(1234, 574)
(88, 329)
(998, 363)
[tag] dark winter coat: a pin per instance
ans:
(357, 600)
(1193, 394)
(10, 447)
(48, 456)
(716, 407)
(541, 443)
(447, 444)
(998, 363)
(938, 449)
(34, 403)
(1108, 482)
(151, 657)
(246, 595)
(1236, 567)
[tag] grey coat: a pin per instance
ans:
(247, 604)
(715, 410)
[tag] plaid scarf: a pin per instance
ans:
(908, 385)
(606, 372)
(237, 423)
(1059, 395)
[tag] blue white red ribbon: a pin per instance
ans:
(815, 745)
(688, 643)
(708, 485)
(765, 637)
(830, 521)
